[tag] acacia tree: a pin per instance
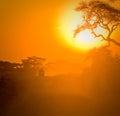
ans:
(34, 65)
(99, 14)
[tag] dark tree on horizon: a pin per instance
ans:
(99, 14)
(34, 64)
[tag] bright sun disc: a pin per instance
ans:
(86, 40)
(68, 23)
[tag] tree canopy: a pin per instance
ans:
(99, 14)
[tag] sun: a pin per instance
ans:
(85, 37)
(68, 21)
(86, 40)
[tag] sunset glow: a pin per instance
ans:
(60, 58)
(84, 40)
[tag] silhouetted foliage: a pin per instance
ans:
(8, 66)
(97, 14)
(94, 92)
(34, 65)
(13, 78)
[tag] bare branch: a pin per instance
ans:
(98, 35)
(97, 13)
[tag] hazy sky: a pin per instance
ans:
(29, 27)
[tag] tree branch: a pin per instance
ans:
(107, 17)
(113, 41)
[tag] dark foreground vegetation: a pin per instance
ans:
(26, 91)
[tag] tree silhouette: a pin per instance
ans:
(97, 14)
(34, 65)
(6, 66)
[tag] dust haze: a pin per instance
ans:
(93, 89)
(37, 87)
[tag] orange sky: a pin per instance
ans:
(29, 28)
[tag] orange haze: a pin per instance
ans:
(30, 28)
